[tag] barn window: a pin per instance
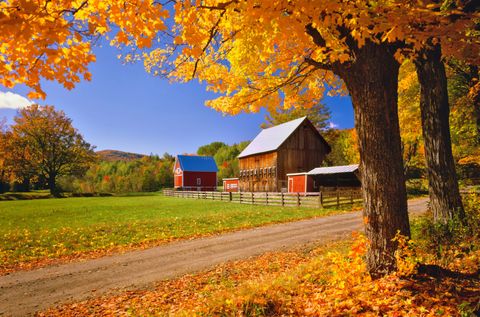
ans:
(199, 181)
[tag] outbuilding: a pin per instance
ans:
(345, 176)
(193, 172)
(230, 184)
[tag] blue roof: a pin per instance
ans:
(194, 163)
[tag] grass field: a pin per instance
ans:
(33, 231)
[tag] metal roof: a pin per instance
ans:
(297, 174)
(195, 163)
(270, 139)
(334, 169)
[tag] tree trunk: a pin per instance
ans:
(372, 81)
(475, 96)
(52, 185)
(445, 200)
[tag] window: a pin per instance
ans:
(199, 181)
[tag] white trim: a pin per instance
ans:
(230, 179)
(297, 174)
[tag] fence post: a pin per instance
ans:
(298, 199)
(319, 199)
(253, 199)
(241, 194)
(338, 199)
(283, 201)
(266, 198)
(230, 194)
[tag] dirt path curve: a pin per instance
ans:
(24, 293)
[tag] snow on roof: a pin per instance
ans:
(270, 139)
(195, 163)
(334, 169)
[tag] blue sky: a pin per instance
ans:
(124, 108)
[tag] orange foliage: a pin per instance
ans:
(52, 39)
(320, 283)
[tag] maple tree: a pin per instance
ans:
(318, 115)
(48, 145)
(276, 53)
(52, 39)
(344, 144)
(301, 48)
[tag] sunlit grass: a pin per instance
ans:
(52, 228)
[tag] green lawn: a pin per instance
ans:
(35, 230)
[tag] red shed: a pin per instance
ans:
(192, 172)
(300, 183)
(230, 184)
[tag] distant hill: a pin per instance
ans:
(113, 155)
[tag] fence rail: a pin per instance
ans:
(313, 200)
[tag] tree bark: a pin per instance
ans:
(372, 81)
(52, 185)
(445, 200)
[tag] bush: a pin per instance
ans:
(417, 187)
(463, 233)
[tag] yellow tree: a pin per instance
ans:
(51, 39)
(289, 53)
(53, 146)
(275, 53)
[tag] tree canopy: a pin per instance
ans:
(44, 143)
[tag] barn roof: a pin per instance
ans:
(195, 163)
(270, 139)
(334, 169)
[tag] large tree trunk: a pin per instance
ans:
(52, 184)
(445, 200)
(372, 81)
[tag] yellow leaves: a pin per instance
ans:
(52, 41)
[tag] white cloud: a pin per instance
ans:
(10, 100)
(332, 125)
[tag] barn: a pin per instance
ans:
(292, 147)
(230, 184)
(345, 176)
(192, 172)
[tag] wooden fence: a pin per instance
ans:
(313, 200)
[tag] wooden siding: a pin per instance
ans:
(208, 180)
(258, 172)
(301, 152)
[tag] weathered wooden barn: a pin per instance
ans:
(292, 147)
(192, 172)
(345, 176)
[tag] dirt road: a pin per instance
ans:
(24, 293)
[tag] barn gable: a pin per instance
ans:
(273, 138)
